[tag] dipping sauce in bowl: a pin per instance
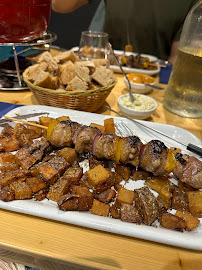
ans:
(141, 108)
(138, 81)
(140, 78)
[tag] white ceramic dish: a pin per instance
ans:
(139, 88)
(117, 69)
(138, 114)
(48, 209)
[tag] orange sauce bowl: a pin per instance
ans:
(138, 81)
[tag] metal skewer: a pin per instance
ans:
(191, 147)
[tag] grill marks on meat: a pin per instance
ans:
(189, 170)
(153, 157)
(130, 150)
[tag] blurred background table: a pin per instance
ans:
(50, 245)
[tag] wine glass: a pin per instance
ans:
(93, 44)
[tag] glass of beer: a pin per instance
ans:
(23, 20)
(93, 44)
(183, 95)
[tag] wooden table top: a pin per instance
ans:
(48, 244)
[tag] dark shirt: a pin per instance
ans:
(150, 26)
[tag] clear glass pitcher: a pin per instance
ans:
(23, 20)
(183, 95)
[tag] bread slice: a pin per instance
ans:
(77, 84)
(49, 59)
(34, 71)
(89, 64)
(66, 56)
(103, 76)
(83, 73)
(67, 72)
(45, 80)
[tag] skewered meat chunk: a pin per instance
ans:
(189, 170)
(130, 150)
(147, 205)
(172, 222)
(62, 133)
(153, 157)
(104, 146)
(129, 213)
(83, 139)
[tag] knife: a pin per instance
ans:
(24, 116)
(191, 147)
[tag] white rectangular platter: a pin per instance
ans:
(48, 209)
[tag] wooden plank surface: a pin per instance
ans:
(48, 244)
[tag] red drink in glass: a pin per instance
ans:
(23, 20)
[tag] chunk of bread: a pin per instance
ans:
(89, 64)
(45, 80)
(83, 73)
(67, 72)
(49, 59)
(66, 56)
(35, 70)
(103, 76)
(77, 84)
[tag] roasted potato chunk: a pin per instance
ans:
(130, 213)
(172, 222)
(191, 221)
(100, 209)
(125, 196)
(109, 125)
(195, 203)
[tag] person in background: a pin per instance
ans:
(151, 27)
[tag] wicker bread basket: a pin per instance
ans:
(89, 100)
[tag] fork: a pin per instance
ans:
(123, 130)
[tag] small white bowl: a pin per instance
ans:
(139, 88)
(138, 113)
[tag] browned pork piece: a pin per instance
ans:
(83, 138)
(62, 133)
(189, 170)
(104, 146)
(130, 150)
(153, 157)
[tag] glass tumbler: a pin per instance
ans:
(183, 95)
(93, 44)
